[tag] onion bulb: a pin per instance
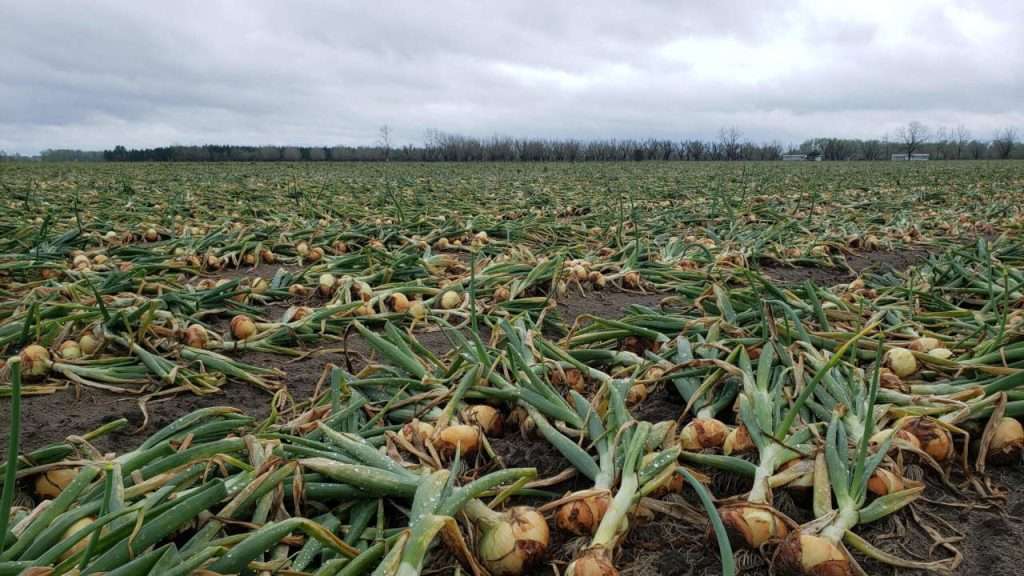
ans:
(879, 438)
(501, 294)
(315, 254)
(901, 361)
(151, 235)
(417, 432)
(418, 310)
(486, 417)
(35, 361)
(267, 256)
(295, 313)
(302, 248)
(582, 516)
(89, 344)
(325, 285)
(249, 259)
(809, 555)
(242, 327)
(513, 542)
(51, 483)
(631, 279)
(597, 279)
(935, 440)
(703, 434)
(884, 482)
(213, 262)
(70, 350)
(77, 526)
(450, 300)
(636, 394)
(738, 441)
(81, 262)
(594, 562)
(924, 344)
(751, 526)
(1007, 442)
(196, 336)
(571, 377)
(298, 290)
(941, 353)
(463, 437)
(398, 303)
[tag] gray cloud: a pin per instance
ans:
(92, 75)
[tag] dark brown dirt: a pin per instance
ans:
(604, 304)
(877, 261)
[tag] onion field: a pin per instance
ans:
(577, 369)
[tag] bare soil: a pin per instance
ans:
(877, 261)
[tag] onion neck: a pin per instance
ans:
(616, 514)
(761, 492)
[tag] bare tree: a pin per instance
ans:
(730, 140)
(385, 141)
(912, 135)
(961, 136)
(1002, 144)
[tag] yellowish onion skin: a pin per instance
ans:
(70, 350)
(751, 526)
(242, 327)
(35, 362)
(398, 303)
(808, 555)
(450, 300)
(89, 344)
(52, 482)
(582, 515)
(703, 434)
(884, 482)
(487, 418)
(516, 544)
(738, 441)
(593, 562)
(935, 440)
(463, 437)
(196, 336)
(878, 438)
(902, 362)
(1007, 442)
(81, 545)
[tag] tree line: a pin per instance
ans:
(914, 138)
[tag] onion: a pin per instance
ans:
(89, 344)
(878, 438)
(315, 254)
(669, 481)
(888, 380)
(924, 344)
(463, 437)
(81, 545)
(486, 417)
(935, 440)
(884, 482)
(81, 262)
(450, 300)
(582, 516)
(703, 434)
(515, 542)
(751, 526)
(501, 294)
(249, 259)
(901, 361)
(1007, 442)
(196, 336)
(302, 248)
(806, 554)
(597, 279)
(418, 310)
(738, 441)
(100, 259)
(325, 285)
(213, 262)
(631, 279)
(417, 431)
(637, 393)
(259, 286)
(151, 235)
(298, 290)
(398, 302)
(571, 377)
(441, 243)
(110, 236)
(339, 247)
(594, 562)
(51, 483)
(35, 361)
(242, 327)
(294, 313)
(941, 353)
(267, 256)
(70, 350)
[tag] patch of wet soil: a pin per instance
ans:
(605, 304)
(878, 261)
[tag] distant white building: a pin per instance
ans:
(909, 156)
(794, 157)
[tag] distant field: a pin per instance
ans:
(582, 306)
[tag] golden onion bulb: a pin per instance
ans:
(78, 525)
(51, 483)
(751, 526)
(582, 516)
(35, 361)
(196, 336)
(924, 344)
(70, 350)
(486, 417)
(450, 300)
(738, 441)
(901, 361)
(89, 344)
(325, 284)
(515, 543)
(1007, 442)
(242, 327)
(398, 302)
(593, 562)
(884, 482)
(935, 440)
(810, 555)
(703, 434)
(463, 437)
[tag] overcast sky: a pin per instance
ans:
(94, 74)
